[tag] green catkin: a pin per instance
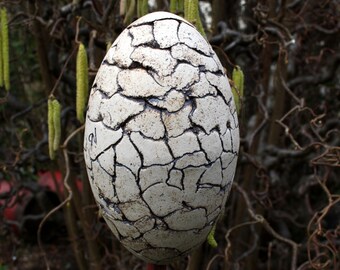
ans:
(145, 7)
(108, 45)
(238, 87)
(130, 12)
(50, 128)
(191, 14)
(180, 8)
(5, 48)
(139, 8)
(142, 8)
(1, 62)
(177, 6)
(57, 124)
(186, 9)
(211, 237)
(82, 82)
(173, 6)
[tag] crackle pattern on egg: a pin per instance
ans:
(161, 138)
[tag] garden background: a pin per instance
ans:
(284, 209)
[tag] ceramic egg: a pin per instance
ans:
(161, 138)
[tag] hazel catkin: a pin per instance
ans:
(211, 237)
(238, 87)
(50, 128)
(57, 124)
(4, 49)
(191, 13)
(82, 82)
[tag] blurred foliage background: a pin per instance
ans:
(284, 208)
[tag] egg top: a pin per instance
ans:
(161, 138)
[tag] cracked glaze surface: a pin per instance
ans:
(161, 138)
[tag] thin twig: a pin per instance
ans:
(68, 198)
(77, 31)
(62, 71)
(212, 260)
(268, 227)
(226, 251)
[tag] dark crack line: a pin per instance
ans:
(160, 19)
(166, 138)
(219, 93)
(172, 73)
(103, 94)
(197, 51)
(101, 164)
(169, 175)
(153, 184)
(203, 186)
(105, 149)
(141, 158)
(188, 154)
(234, 156)
(126, 167)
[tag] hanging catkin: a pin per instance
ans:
(191, 13)
(4, 49)
(186, 9)
(237, 89)
(82, 82)
(50, 123)
(142, 8)
(173, 6)
(130, 12)
(180, 7)
(177, 6)
(57, 124)
(211, 237)
(1, 61)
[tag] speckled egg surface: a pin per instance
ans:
(161, 138)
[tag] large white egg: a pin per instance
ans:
(161, 138)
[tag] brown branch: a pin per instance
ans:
(267, 226)
(41, 40)
(212, 260)
(227, 249)
(67, 199)
(62, 71)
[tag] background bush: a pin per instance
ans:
(284, 208)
